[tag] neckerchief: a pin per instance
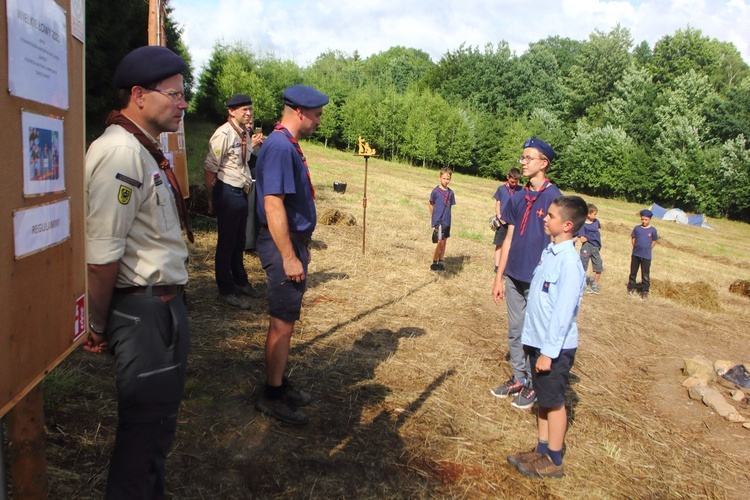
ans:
(295, 143)
(530, 202)
(243, 136)
(117, 118)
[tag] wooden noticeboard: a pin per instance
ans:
(42, 248)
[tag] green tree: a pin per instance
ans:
(734, 180)
(632, 106)
(728, 117)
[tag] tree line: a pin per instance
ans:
(667, 124)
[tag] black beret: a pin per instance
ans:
(542, 147)
(303, 96)
(238, 100)
(148, 64)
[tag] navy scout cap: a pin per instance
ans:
(542, 147)
(647, 213)
(302, 96)
(238, 100)
(148, 64)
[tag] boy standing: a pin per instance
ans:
(441, 201)
(643, 238)
(502, 197)
(518, 258)
(591, 240)
(550, 334)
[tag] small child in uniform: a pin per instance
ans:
(550, 334)
(441, 201)
(502, 198)
(643, 238)
(591, 240)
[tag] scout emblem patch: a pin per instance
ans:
(157, 179)
(123, 195)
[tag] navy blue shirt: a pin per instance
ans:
(643, 238)
(280, 170)
(504, 194)
(590, 231)
(442, 202)
(525, 249)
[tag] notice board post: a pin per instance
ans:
(42, 251)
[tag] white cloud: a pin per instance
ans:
(301, 29)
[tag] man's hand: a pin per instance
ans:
(498, 290)
(256, 140)
(543, 363)
(95, 343)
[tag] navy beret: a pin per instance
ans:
(647, 213)
(148, 64)
(542, 147)
(238, 100)
(303, 96)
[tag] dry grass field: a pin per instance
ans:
(400, 361)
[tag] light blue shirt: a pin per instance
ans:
(554, 297)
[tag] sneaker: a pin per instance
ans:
(434, 266)
(280, 409)
(249, 291)
(644, 295)
(234, 300)
(509, 388)
(294, 397)
(524, 456)
(541, 467)
(441, 266)
(594, 289)
(589, 290)
(524, 399)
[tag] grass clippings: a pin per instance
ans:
(740, 287)
(400, 360)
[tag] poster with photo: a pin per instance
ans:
(43, 154)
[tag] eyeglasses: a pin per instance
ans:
(527, 159)
(175, 96)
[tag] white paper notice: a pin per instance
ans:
(37, 51)
(38, 228)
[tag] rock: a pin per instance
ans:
(719, 404)
(698, 379)
(736, 418)
(698, 392)
(746, 425)
(737, 395)
(699, 364)
(722, 366)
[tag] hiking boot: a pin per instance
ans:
(279, 409)
(434, 266)
(524, 456)
(541, 467)
(294, 397)
(509, 388)
(249, 291)
(524, 399)
(594, 289)
(234, 300)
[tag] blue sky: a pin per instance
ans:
(300, 30)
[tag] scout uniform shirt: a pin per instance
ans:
(131, 214)
(225, 157)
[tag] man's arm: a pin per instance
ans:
(498, 287)
(209, 178)
(278, 226)
(102, 279)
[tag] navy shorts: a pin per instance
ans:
(500, 234)
(550, 386)
(284, 296)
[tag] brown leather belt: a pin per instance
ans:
(156, 291)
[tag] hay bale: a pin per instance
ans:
(740, 287)
(697, 294)
(336, 217)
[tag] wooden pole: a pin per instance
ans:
(26, 446)
(156, 23)
(364, 208)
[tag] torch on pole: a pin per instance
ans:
(367, 152)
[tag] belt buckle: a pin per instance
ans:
(246, 189)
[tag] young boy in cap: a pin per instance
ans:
(502, 198)
(286, 210)
(519, 256)
(228, 181)
(137, 267)
(643, 238)
(550, 334)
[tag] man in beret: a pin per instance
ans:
(228, 182)
(519, 255)
(137, 267)
(286, 210)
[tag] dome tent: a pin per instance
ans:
(677, 215)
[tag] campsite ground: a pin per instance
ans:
(400, 359)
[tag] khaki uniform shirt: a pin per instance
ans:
(225, 157)
(131, 216)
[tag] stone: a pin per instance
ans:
(698, 392)
(736, 418)
(699, 364)
(737, 394)
(697, 379)
(746, 425)
(718, 403)
(722, 366)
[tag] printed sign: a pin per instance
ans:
(80, 326)
(40, 227)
